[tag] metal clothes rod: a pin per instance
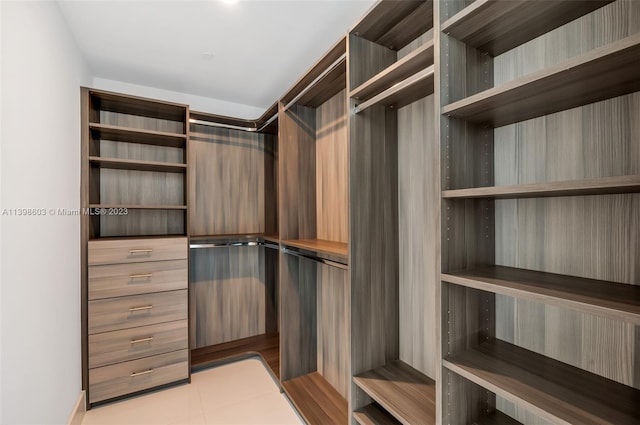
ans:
(331, 67)
(221, 125)
(223, 244)
(316, 259)
(269, 121)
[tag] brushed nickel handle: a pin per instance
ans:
(146, 372)
(137, 341)
(140, 276)
(146, 307)
(141, 251)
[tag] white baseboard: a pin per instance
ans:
(77, 414)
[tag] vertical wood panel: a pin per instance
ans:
(370, 58)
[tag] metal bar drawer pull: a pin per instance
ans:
(138, 341)
(146, 372)
(141, 251)
(146, 307)
(140, 276)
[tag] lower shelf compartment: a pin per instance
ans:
(552, 390)
(405, 393)
(373, 414)
(316, 400)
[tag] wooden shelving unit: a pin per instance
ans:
(326, 247)
(569, 84)
(553, 390)
(316, 400)
(373, 414)
(136, 135)
(127, 164)
(402, 94)
(404, 392)
(497, 26)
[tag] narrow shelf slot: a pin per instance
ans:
(601, 186)
(550, 389)
(402, 391)
(373, 414)
(134, 135)
(318, 245)
(139, 207)
(615, 300)
(407, 91)
(127, 164)
(316, 400)
(600, 74)
(496, 26)
(133, 105)
(411, 64)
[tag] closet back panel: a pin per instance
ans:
(227, 181)
(143, 123)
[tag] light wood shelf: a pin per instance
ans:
(321, 246)
(600, 74)
(127, 164)
(495, 27)
(134, 105)
(601, 186)
(373, 414)
(548, 388)
(316, 400)
(134, 135)
(615, 300)
(405, 92)
(405, 393)
(139, 207)
(414, 62)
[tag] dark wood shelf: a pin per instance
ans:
(601, 186)
(402, 391)
(496, 26)
(135, 135)
(316, 400)
(394, 24)
(550, 389)
(140, 207)
(126, 164)
(317, 245)
(373, 414)
(615, 300)
(411, 64)
(496, 418)
(133, 105)
(407, 91)
(600, 74)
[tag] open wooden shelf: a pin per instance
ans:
(316, 400)
(134, 105)
(127, 164)
(601, 186)
(326, 87)
(615, 300)
(496, 418)
(373, 414)
(600, 74)
(404, 392)
(405, 92)
(140, 207)
(414, 62)
(495, 26)
(317, 245)
(395, 24)
(548, 388)
(134, 135)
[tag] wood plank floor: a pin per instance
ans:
(267, 345)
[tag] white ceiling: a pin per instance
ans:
(259, 47)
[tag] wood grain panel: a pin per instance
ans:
(316, 400)
(141, 152)
(228, 165)
(367, 59)
(332, 179)
(124, 119)
(373, 414)
(334, 327)
(134, 187)
(228, 296)
(142, 222)
(136, 250)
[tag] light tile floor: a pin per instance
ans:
(242, 392)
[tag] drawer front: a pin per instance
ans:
(128, 377)
(118, 280)
(129, 344)
(138, 310)
(136, 250)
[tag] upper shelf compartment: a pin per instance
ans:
(609, 71)
(496, 26)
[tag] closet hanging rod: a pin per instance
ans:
(326, 72)
(221, 125)
(269, 121)
(316, 259)
(223, 244)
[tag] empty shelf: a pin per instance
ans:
(605, 185)
(373, 414)
(412, 63)
(126, 164)
(402, 391)
(600, 74)
(495, 26)
(133, 105)
(552, 390)
(616, 300)
(405, 92)
(317, 245)
(135, 135)
(316, 400)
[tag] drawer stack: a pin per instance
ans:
(137, 315)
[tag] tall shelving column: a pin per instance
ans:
(540, 290)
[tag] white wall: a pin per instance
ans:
(42, 71)
(196, 103)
